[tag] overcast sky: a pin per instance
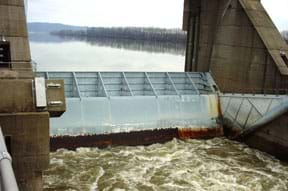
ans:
(156, 13)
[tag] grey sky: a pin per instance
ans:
(156, 13)
(277, 9)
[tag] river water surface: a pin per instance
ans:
(52, 53)
(217, 164)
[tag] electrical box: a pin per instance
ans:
(56, 104)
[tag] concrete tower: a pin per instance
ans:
(238, 42)
(14, 43)
(26, 102)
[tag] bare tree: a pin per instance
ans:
(132, 33)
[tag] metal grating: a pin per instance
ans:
(110, 84)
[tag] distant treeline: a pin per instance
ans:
(285, 35)
(131, 44)
(131, 33)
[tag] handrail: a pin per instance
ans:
(113, 84)
(7, 176)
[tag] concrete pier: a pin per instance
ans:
(238, 43)
(13, 30)
(24, 106)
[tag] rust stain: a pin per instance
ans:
(220, 114)
(213, 106)
(146, 137)
(200, 133)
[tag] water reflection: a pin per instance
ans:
(42, 37)
(128, 44)
(53, 53)
(132, 44)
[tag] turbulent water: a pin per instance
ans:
(216, 164)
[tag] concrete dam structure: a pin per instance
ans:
(139, 108)
(233, 42)
(238, 43)
(132, 108)
(26, 104)
(234, 84)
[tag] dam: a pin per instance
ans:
(106, 106)
(234, 84)
(135, 105)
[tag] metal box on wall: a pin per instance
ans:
(56, 104)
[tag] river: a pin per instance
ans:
(216, 164)
(52, 53)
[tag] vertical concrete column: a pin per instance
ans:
(25, 124)
(238, 43)
(13, 28)
(29, 146)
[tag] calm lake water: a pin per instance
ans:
(217, 164)
(52, 53)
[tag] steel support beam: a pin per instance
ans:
(103, 85)
(76, 84)
(150, 84)
(47, 75)
(172, 83)
(193, 84)
(127, 84)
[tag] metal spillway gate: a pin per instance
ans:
(182, 105)
(117, 102)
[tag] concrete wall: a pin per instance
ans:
(28, 145)
(27, 131)
(237, 41)
(25, 123)
(14, 28)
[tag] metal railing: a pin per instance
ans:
(110, 84)
(7, 176)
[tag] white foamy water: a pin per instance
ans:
(217, 164)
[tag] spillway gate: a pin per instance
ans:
(117, 102)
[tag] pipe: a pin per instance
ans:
(270, 116)
(8, 180)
